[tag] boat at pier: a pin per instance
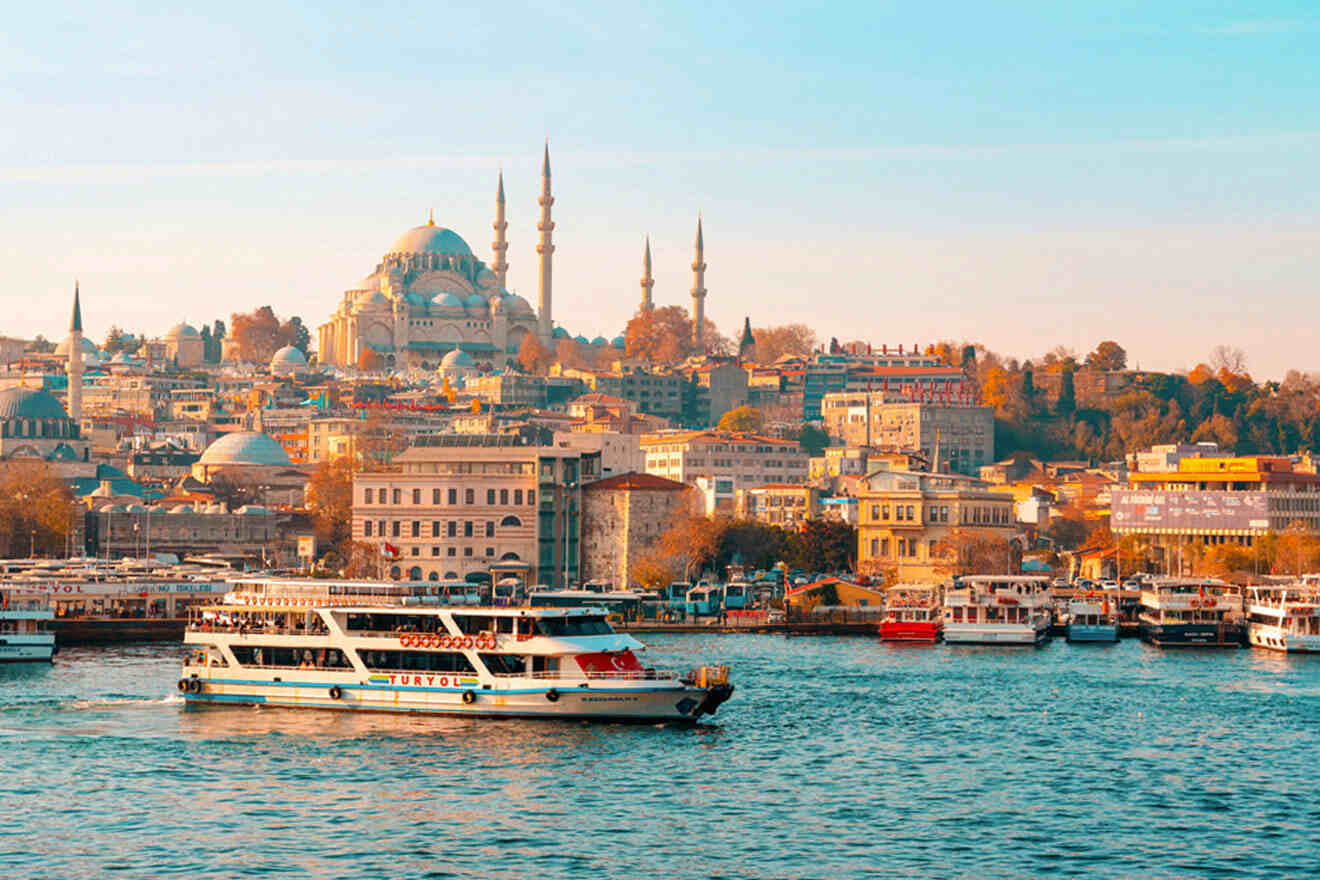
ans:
(1091, 617)
(997, 610)
(1180, 612)
(912, 614)
(369, 646)
(24, 617)
(1284, 618)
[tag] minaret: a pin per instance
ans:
(545, 248)
(747, 344)
(647, 281)
(75, 369)
(501, 246)
(699, 294)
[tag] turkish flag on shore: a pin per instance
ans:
(391, 550)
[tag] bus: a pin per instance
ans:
(737, 595)
(704, 600)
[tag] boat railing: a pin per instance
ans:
(580, 675)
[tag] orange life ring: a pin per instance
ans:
(405, 641)
(1195, 604)
(467, 641)
(443, 642)
(1209, 603)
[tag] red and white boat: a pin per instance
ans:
(912, 614)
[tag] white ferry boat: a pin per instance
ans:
(1181, 612)
(1284, 618)
(1091, 617)
(23, 621)
(997, 609)
(354, 645)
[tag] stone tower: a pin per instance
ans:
(546, 248)
(501, 245)
(647, 281)
(699, 294)
(75, 369)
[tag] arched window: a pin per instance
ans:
(511, 521)
(510, 556)
(415, 573)
(396, 573)
(451, 575)
(433, 576)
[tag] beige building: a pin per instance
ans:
(962, 436)
(134, 530)
(253, 460)
(619, 453)
(477, 503)
(622, 518)
(779, 504)
(910, 521)
(719, 463)
(184, 347)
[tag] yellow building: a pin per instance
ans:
(909, 520)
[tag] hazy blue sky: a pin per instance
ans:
(1024, 175)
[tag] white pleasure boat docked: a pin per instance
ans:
(23, 632)
(1284, 618)
(368, 646)
(997, 609)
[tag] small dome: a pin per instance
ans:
(88, 347)
(599, 340)
(179, 331)
(560, 333)
(431, 240)
(135, 508)
(29, 403)
(619, 342)
(182, 508)
(449, 301)
(457, 358)
(476, 301)
(517, 305)
(288, 359)
(245, 448)
(581, 340)
(252, 510)
(371, 298)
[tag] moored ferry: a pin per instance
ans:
(1181, 612)
(367, 646)
(23, 621)
(997, 609)
(1284, 618)
(1091, 617)
(912, 614)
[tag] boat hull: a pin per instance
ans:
(994, 634)
(19, 648)
(920, 632)
(641, 703)
(1191, 635)
(1081, 632)
(1274, 638)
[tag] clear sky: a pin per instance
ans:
(1023, 174)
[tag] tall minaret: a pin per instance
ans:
(75, 369)
(699, 294)
(545, 248)
(647, 281)
(501, 246)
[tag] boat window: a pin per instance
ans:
(545, 664)
(504, 664)
(471, 624)
(424, 661)
(504, 624)
(574, 626)
(318, 658)
(393, 623)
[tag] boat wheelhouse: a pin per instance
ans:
(912, 614)
(368, 646)
(23, 621)
(997, 609)
(1284, 618)
(1183, 612)
(1091, 617)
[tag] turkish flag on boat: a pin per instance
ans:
(609, 661)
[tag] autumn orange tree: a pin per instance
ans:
(330, 502)
(742, 420)
(36, 510)
(976, 551)
(662, 335)
(258, 334)
(772, 343)
(532, 355)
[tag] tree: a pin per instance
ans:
(813, 440)
(233, 490)
(661, 335)
(36, 510)
(114, 340)
(743, 420)
(1296, 550)
(217, 342)
(772, 343)
(532, 356)
(330, 501)
(827, 545)
(369, 361)
(295, 333)
(1108, 355)
(41, 345)
(569, 353)
(976, 551)
(1228, 358)
(207, 343)
(259, 334)
(1067, 393)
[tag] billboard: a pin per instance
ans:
(1140, 510)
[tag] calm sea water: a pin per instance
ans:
(835, 758)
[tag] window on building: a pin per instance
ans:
(490, 496)
(435, 528)
(875, 511)
(517, 496)
(531, 497)
(504, 496)
(453, 551)
(490, 551)
(380, 527)
(366, 496)
(490, 529)
(416, 529)
(469, 496)
(366, 529)
(467, 551)
(884, 548)
(435, 551)
(453, 496)
(910, 512)
(417, 496)
(453, 528)
(394, 528)
(395, 496)
(467, 529)
(417, 551)
(875, 546)
(435, 497)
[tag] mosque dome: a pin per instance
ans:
(476, 301)
(288, 359)
(581, 340)
(431, 239)
(88, 347)
(517, 305)
(245, 448)
(457, 358)
(599, 340)
(560, 333)
(181, 331)
(619, 342)
(29, 403)
(371, 298)
(449, 301)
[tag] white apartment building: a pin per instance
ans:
(720, 463)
